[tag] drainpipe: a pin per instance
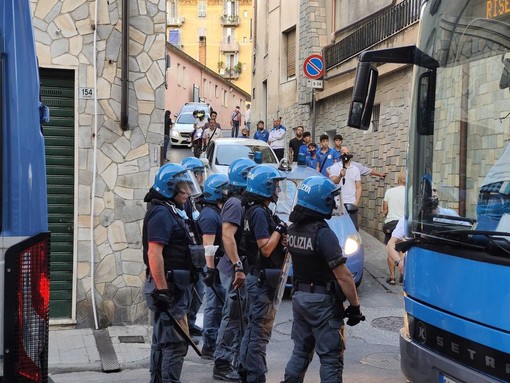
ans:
(124, 123)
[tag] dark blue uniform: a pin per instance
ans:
(317, 312)
(261, 287)
(227, 344)
(210, 224)
(168, 348)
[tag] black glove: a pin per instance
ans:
(354, 315)
(281, 228)
(210, 277)
(163, 299)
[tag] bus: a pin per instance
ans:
(457, 265)
(24, 236)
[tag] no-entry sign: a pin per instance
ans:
(313, 66)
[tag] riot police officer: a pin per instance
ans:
(193, 211)
(265, 241)
(215, 194)
(319, 271)
(232, 273)
(169, 245)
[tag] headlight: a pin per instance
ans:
(174, 133)
(352, 244)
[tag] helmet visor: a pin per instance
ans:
(186, 183)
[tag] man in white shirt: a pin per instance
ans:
(348, 176)
(393, 205)
(277, 138)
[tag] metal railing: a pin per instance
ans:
(374, 31)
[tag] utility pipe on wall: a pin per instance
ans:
(124, 103)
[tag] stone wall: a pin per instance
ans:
(126, 160)
(384, 150)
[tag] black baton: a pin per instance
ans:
(183, 332)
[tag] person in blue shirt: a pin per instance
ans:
(326, 156)
(311, 159)
(261, 133)
(307, 138)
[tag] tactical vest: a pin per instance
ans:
(308, 264)
(255, 259)
(176, 253)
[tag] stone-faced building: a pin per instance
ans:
(287, 32)
(102, 75)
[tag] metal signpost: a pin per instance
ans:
(313, 67)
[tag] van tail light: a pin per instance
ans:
(26, 322)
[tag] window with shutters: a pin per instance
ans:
(202, 8)
(290, 53)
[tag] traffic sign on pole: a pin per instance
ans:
(313, 66)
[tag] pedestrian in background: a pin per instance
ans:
(247, 118)
(307, 139)
(393, 206)
(311, 158)
(295, 143)
(338, 143)
(348, 177)
(261, 133)
(235, 121)
(393, 210)
(166, 139)
(167, 238)
(326, 156)
(212, 130)
(319, 268)
(276, 138)
(396, 258)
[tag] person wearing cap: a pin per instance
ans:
(261, 133)
(276, 138)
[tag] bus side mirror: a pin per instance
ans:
(426, 103)
(363, 95)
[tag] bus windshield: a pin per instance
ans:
(459, 167)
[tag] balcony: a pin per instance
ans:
(175, 21)
(229, 74)
(374, 31)
(229, 45)
(230, 20)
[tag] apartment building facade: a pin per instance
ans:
(216, 33)
(286, 33)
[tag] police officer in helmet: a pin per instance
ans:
(192, 208)
(232, 273)
(215, 194)
(318, 267)
(167, 241)
(265, 240)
